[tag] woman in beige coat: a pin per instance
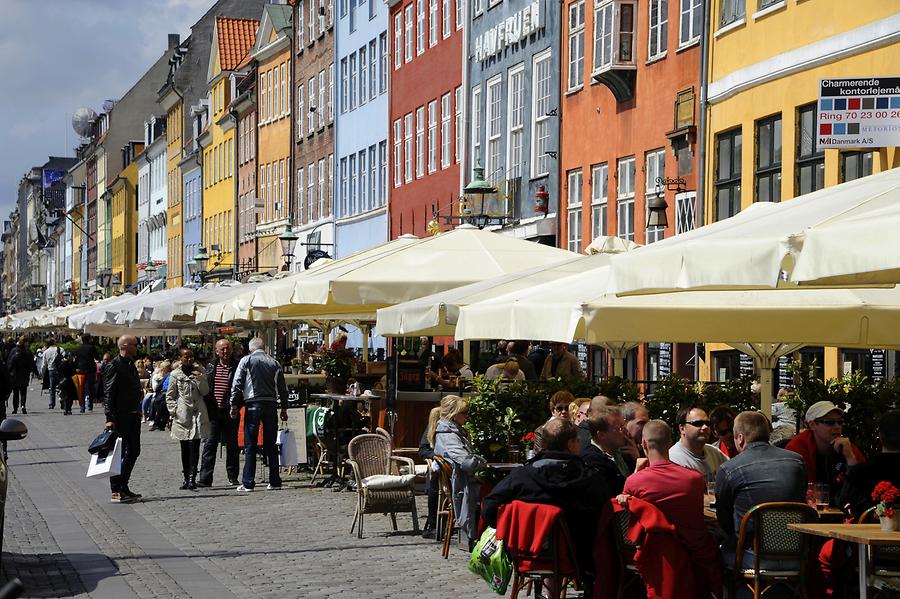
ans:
(190, 420)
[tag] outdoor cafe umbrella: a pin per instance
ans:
(103, 311)
(837, 235)
(400, 270)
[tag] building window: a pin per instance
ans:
(373, 9)
(329, 204)
(599, 198)
(351, 20)
(685, 212)
(432, 136)
(320, 107)
(691, 13)
(398, 157)
(383, 61)
(312, 20)
(477, 7)
(446, 18)
(311, 113)
(263, 116)
(363, 76)
(398, 39)
(352, 85)
(458, 124)
(625, 198)
(574, 210)
(659, 27)
(728, 173)
(408, 50)
(459, 13)
(300, 25)
(445, 130)
(373, 71)
(655, 168)
(373, 177)
(810, 160)
(515, 116)
(603, 35)
(331, 93)
(301, 213)
(344, 85)
(576, 44)
(855, 165)
(363, 182)
(432, 22)
(284, 90)
(768, 159)
(492, 124)
(311, 189)
(382, 168)
(322, 186)
(344, 185)
(541, 94)
(408, 147)
(273, 89)
(351, 202)
(476, 125)
(420, 142)
(420, 26)
(731, 11)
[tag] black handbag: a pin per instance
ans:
(103, 443)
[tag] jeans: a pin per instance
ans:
(260, 413)
(90, 389)
(146, 403)
(53, 375)
(19, 394)
(129, 430)
(222, 429)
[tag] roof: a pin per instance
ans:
(236, 37)
(280, 15)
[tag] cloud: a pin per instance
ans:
(59, 55)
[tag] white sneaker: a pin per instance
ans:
(271, 488)
(243, 489)
(150, 423)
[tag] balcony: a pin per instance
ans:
(615, 59)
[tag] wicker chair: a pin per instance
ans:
(445, 504)
(380, 489)
(764, 530)
(324, 459)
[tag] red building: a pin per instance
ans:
(426, 138)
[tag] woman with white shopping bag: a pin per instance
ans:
(190, 420)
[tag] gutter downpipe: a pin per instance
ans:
(701, 140)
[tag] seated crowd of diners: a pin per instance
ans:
(593, 457)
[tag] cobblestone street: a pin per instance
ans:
(64, 539)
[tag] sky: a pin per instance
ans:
(59, 55)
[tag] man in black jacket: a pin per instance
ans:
(604, 453)
(121, 390)
(86, 357)
(222, 427)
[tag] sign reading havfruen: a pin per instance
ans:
(510, 31)
(859, 113)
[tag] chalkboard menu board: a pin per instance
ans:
(581, 352)
(665, 359)
(391, 391)
(878, 363)
(785, 378)
(746, 366)
(410, 375)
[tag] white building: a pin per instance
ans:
(152, 190)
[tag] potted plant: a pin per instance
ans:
(337, 364)
(885, 494)
(296, 364)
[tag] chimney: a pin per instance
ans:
(174, 40)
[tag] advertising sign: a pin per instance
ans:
(859, 113)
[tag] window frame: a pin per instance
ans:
(625, 202)
(599, 199)
(694, 11)
(732, 183)
(538, 150)
(770, 173)
(815, 160)
(654, 164)
(659, 31)
(574, 209)
(432, 137)
(575, 78)
(515, 120)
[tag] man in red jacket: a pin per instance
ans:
(678, 493)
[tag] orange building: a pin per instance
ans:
(630, 73)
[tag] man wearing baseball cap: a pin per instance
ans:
(824, 451)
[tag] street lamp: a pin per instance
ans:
(475, 195)
(288, 240)
(150, 270)
(656, 210)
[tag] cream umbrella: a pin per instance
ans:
(608, 244)
(757, 248)
(400, 270)
(765, 324)
(140, 309)
(184, 306)
(102, 312)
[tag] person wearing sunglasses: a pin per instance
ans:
(693, 450)
(559, 408)
(824, 449)
(722, 419)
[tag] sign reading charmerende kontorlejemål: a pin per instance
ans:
(510, 31)
(859, 113)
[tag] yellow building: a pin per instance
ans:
(272, 52)
(172, 103)
(766, 60)
(232, 39)
(124, 220)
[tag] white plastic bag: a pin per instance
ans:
(287, 448)
(111, 465)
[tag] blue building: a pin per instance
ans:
(361, 60)
(192, 177)
(512, 74)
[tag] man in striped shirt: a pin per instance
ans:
(223, 428)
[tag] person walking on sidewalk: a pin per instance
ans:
(86, 357)
(53, 357)
(223, 428)
(121, 391)
(259, 385)
(21, 366)
(190, 422)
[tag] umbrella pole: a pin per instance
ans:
(765, 391)
(365, 341)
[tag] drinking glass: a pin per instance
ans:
(811, 494)
(821, 496)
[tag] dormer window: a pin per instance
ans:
(614, 45)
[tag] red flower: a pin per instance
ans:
(529, 437)
(885, 492)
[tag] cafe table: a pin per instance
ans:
(864, 535)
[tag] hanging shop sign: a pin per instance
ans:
(510, 31)
(859, 113)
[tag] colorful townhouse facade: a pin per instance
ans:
(153, 180)
(313, 111)
(417, 97)
(123, 195)
(232, 40)
(191, 169)
(244, 111)
(361, 130)
(764, 139)
(511, 57)
(271, 54)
